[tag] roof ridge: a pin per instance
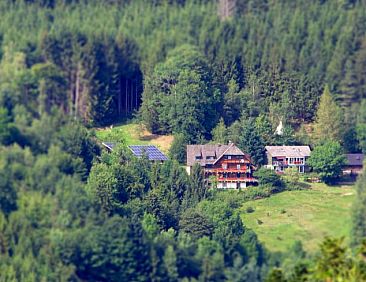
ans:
(230, 145)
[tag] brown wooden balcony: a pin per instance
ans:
(234, 170)
(237, 179)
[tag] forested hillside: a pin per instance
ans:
(203, 71)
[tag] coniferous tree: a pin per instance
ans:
(170, 262)
(198, 185)
(361, 126)
(219, 133)
(251, 142)
(8, 194)
(329, 121)
(178, 149)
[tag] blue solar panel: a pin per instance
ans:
(152, 152)
(109, 145)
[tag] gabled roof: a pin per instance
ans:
(289, 151)
(214, 152)
(355, 159)
(231, 150)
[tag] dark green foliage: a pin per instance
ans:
(332, 260)
(359, 212)
(5, 133)
(329, 119)
(113, 251)
(361, 126)
(276, 275)
(195, 224)
(178, 149)
(179, 95)
(220, 133)
(74, 139)
(327, 160)
(269, 177)
(250, 141)
(197, 190)
(101, 83)
(69, 213)
(8, 195)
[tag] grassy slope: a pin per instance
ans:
(134, 135)
(310, 215)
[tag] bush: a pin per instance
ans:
(269, 177)
(327, 160)
(249, 209)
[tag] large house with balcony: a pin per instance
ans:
(281, 157)
(227, 165)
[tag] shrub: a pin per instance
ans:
(249, 209)
(269, 177)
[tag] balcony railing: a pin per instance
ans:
(233, 169)
(240, 179)
(235, 161)
(285, 163)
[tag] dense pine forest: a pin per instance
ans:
(203, 71)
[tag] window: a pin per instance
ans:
(229, 157)
(198, 157)
(238, 166)
(224, 166)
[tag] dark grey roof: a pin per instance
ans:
(152, 152)
(355, 159)
(214, 152)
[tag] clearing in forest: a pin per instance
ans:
(134, 134)
(306, 215)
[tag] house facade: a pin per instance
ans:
(354, 164)
(280, 158)
(227, 165)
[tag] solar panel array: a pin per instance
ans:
(152, 152)
(109, 145)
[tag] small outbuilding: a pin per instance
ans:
(354, 164)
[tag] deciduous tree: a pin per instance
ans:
(327, 160)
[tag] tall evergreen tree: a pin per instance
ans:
(329, 119)
(219, 133)
(361, 126)
(251, 142)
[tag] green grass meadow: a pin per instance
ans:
(133, 134)
(306, 215)
(127, 132)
